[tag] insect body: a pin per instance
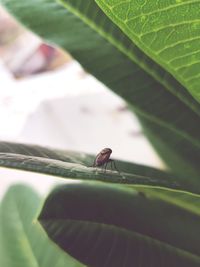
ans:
(103, 158)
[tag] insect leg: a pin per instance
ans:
(111, 164)
(115, 166)
(105, 166)
(94, 163)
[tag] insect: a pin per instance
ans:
(103, 158)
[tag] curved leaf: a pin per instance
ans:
(75, 165)
(108, 226)
(60, 164)
(23, 243)
(84, 36)
(163, 33)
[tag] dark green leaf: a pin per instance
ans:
(78, 166)
(110, 226)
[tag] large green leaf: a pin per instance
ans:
(167, 31)
(23, 243)
(71, 165)
(78, 166)
(110, 226)
(84, 35)
(109, 31)
(173, 148)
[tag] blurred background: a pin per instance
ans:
(46, 98)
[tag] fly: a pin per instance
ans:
(103, 158)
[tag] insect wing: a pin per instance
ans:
(102, 158)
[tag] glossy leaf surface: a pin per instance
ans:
(109, 226)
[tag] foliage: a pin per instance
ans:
(146, 52)
(22, 240)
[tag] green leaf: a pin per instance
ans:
(110, 226)
(84, 35)
(23, 243)
(73, 165)
(110, 32)
(161, 30)
(173, 149)
(183, 200)
(78, 166)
